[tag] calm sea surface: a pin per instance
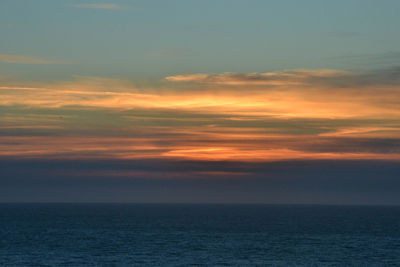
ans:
(198, 235)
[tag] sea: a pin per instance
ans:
(198, 235)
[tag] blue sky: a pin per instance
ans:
(200, 101)
(152, 39)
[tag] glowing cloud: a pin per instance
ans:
(289, 115)
(295, 77)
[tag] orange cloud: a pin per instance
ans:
(290, 115)
(285, 78)
(300, 101)
(197, 143)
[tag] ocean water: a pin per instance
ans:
(198, 235)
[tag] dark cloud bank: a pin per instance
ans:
(303, 182)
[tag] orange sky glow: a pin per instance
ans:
(290, 115)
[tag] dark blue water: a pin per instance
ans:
(198, 235)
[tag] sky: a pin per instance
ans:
(223, 101)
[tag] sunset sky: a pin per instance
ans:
(200, 101)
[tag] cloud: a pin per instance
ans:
(12, 58)
(303, 115)
(100, 6)
(188, 143)
(294, 77)
(295, 133)
(389, 58)
(152, 180)
(321, 94)
(302, 77)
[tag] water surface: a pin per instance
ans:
(198, 235)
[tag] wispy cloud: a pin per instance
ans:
(389, 58)
(288, 115)
(322, 78)
(293, 94)
(100, 6)
(13, 58)
(269, 78)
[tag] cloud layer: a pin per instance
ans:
(294, 182)
(300, 136)
(276, 116)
